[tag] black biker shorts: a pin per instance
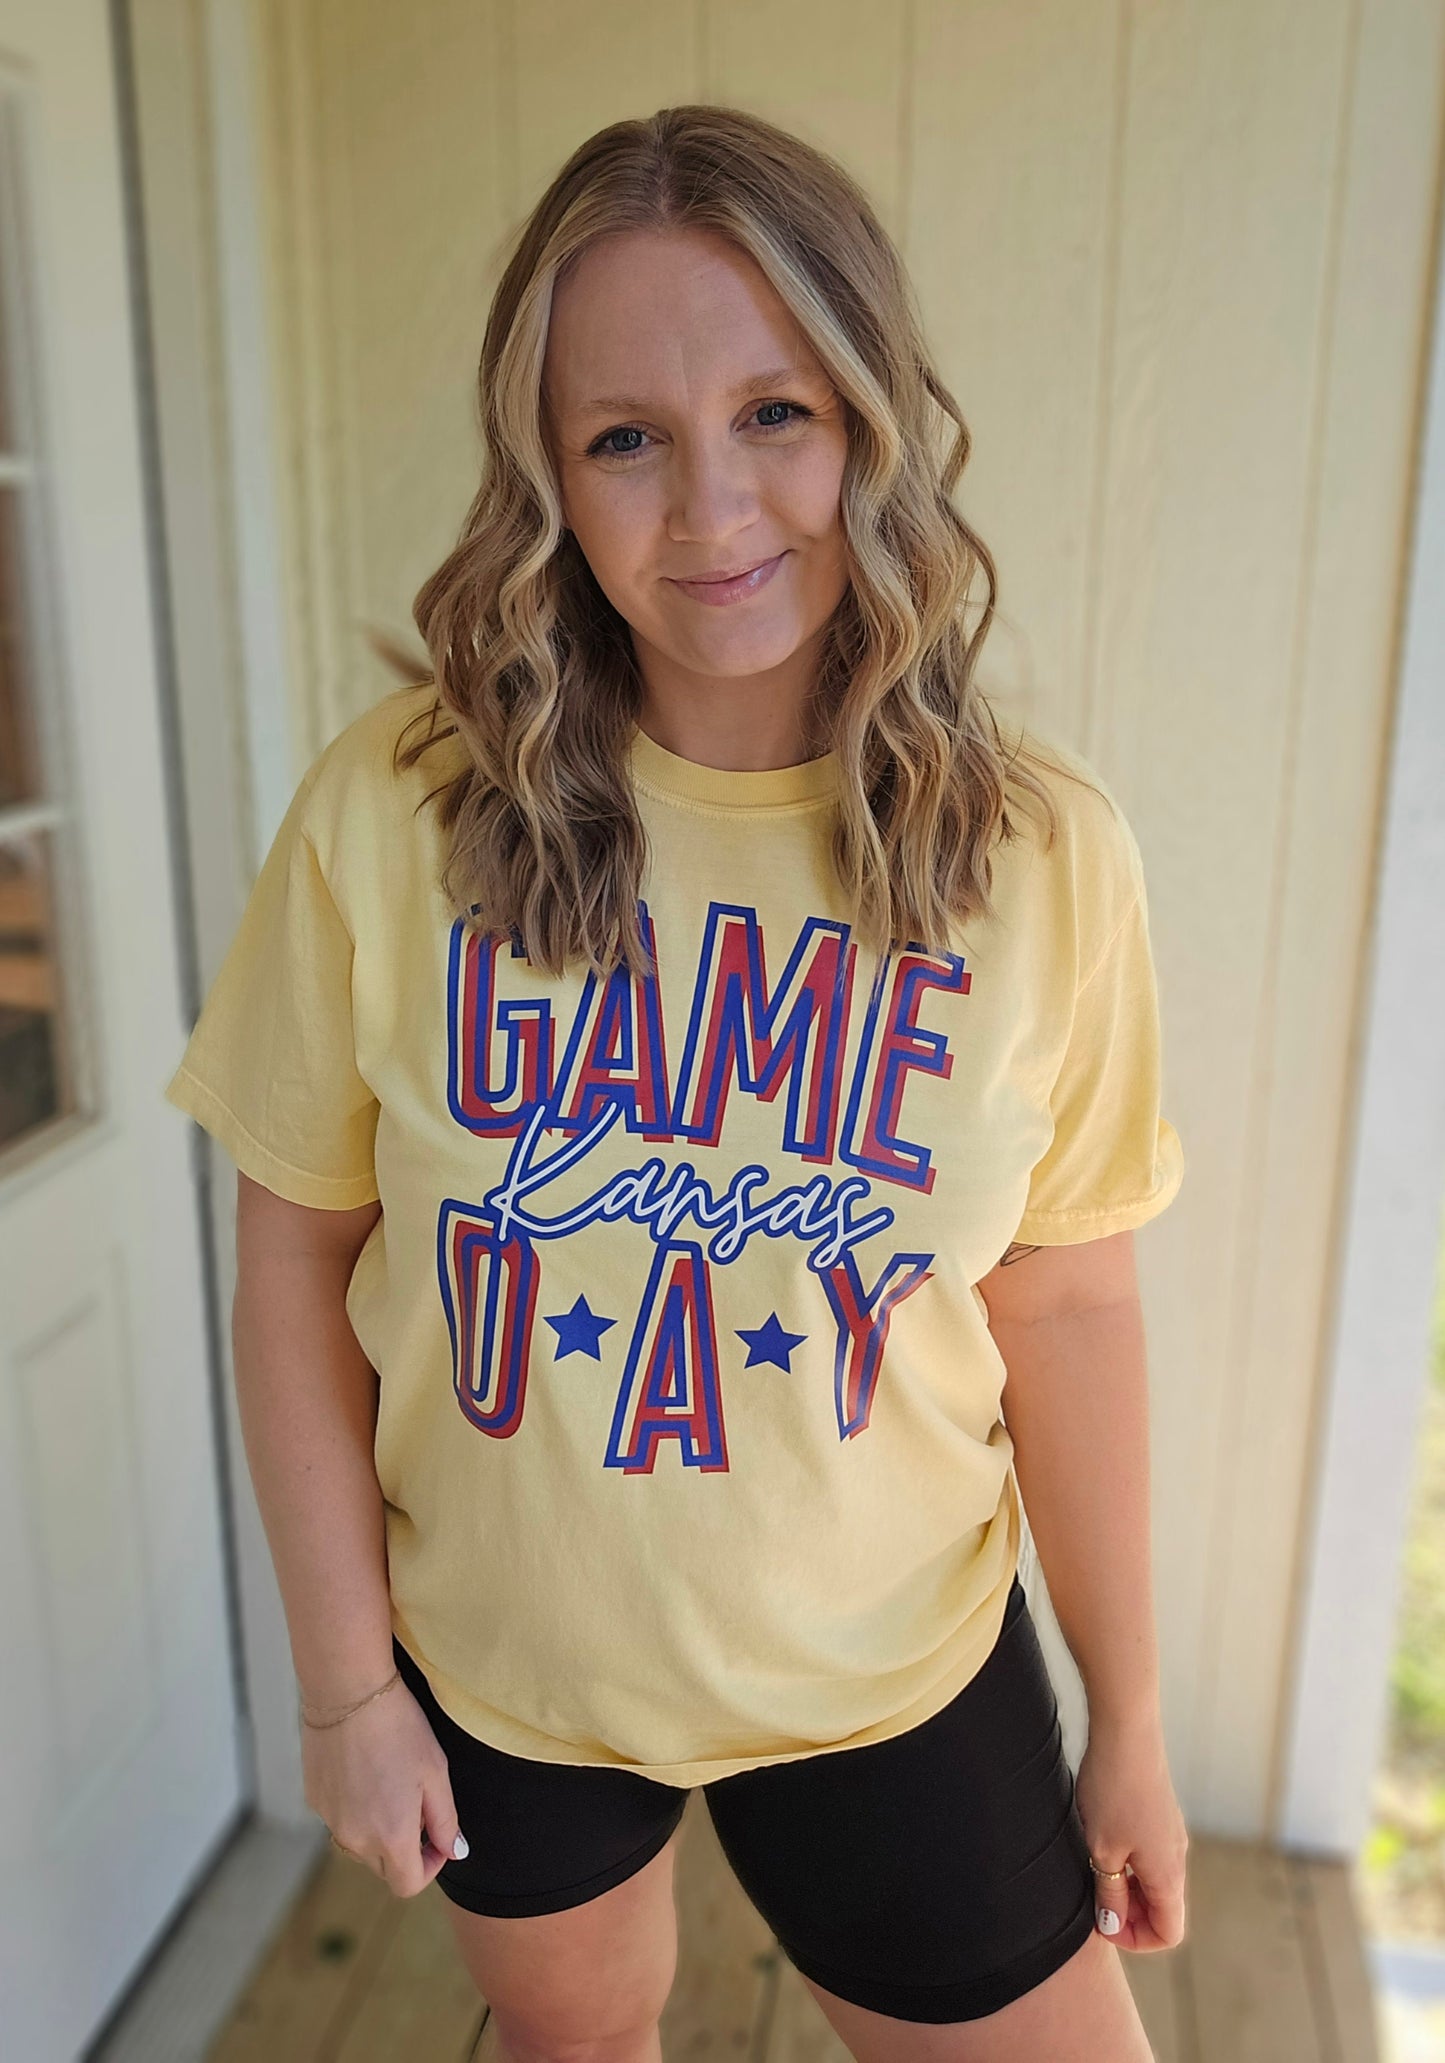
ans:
(934, 1877)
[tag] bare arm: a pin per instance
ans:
(1069, 1326)
(307, 1399)
(1071, 1332)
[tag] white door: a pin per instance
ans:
(119, 1753)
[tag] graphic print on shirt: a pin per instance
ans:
(744, 1039)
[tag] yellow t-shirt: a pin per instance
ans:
(689, 1428)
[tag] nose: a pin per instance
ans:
(714, 491)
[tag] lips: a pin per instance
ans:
(733, 587)
(716, 579)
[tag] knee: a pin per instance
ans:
(518, 2043)
(563, 2024)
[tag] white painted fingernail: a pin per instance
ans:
(460, 1848)
(1108, 1920)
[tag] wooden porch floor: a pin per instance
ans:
(1273, 1970)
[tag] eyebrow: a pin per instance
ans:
(772, 376)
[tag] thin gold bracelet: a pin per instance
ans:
(347, 1712)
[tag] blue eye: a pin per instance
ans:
(599, 447)
(600, 450)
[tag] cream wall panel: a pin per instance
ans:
(1216, 251)
(416, 155)
(579, 64)
(1006, 234)
(391, 163)
(1366, 385)
(1174, 262)
(1206, 515)
(837, 72)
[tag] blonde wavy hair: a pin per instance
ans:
(534, 669)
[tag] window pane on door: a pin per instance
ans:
(19, 747)
(47, 1058)
(33, 1071)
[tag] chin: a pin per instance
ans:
(742, 661)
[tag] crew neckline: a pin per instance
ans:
(727, 788)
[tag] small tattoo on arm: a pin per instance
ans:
(1015, 1253)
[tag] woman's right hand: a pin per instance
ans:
(379, 1780)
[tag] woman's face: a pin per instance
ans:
(695, 433)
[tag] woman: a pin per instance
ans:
(678, 1060)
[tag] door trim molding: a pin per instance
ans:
(237, 748)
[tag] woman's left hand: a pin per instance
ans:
(1130, 1815)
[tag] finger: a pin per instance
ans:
(402, 1867)
(1143, 1927)
(1141, 1935)
(1158, 1899)
(1111, 1899)
(439, 1822)
(369, 1858)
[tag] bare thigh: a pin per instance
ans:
(1083, 2013)
(595, 1973)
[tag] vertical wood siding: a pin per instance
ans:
(1174, 262)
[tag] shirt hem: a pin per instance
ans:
(1086, 1221)
(481, 1721)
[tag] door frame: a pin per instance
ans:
(236, 750)
(243, 745)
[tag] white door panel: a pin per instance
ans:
(119, 1754)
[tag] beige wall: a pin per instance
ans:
(1174, 262)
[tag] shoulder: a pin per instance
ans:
(1090, 876)
(1093, 830)
(363, 750)
(353, 788)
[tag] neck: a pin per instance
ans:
(740, 726)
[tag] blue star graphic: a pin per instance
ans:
(771, 1342)
(579, 1330)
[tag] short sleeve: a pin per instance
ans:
(1114, 1160)
(270, 1069)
